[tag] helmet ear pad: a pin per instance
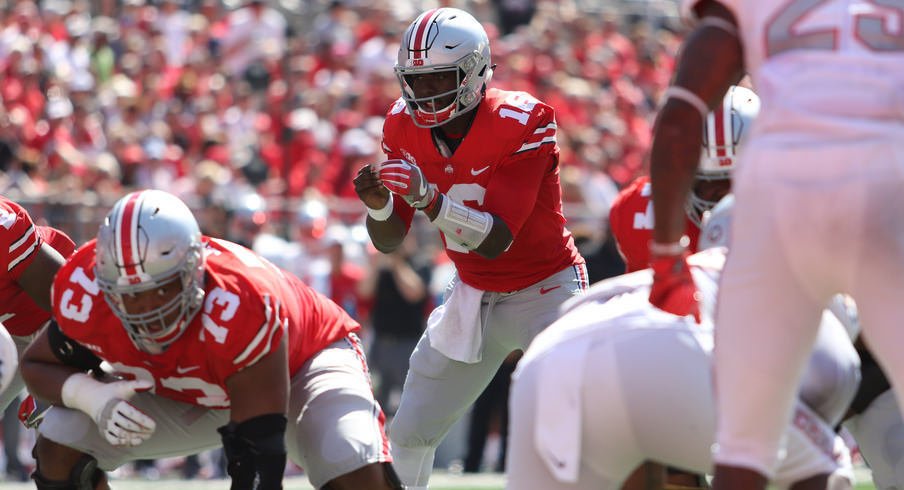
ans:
(150, 240)
(444, 39)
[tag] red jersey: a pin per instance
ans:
(20, 241)
(508, 165)
(249, 306)
(631, 220)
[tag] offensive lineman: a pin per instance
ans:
(640, 389)
(210, 344)
(631, 214)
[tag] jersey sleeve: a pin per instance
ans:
(512, 192)
(19, 239)
(58, 240)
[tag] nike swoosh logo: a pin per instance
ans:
(546, 290)
(182, 370)
(452, 46)
(478, 172)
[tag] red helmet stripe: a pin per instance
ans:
(419, 38)
(719, 124)
(127, 235)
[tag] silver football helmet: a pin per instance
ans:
(150, 239)
(444, 40)
(723, 131)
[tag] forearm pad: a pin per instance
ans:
(466, 226)
(256, 448)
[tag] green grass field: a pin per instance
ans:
(439, 481)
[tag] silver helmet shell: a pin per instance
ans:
(723, 132)
(148, 240)
(444, 40)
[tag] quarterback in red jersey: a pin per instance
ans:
(631, 214)
(482, 165)
(202, 337)
(30, 255)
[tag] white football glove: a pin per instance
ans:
(108, 405)
(407, 180)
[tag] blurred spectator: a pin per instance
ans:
(396, 285)
(256, 36)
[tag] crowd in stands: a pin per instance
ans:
(258, 113)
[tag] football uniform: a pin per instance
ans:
(20, 243)
(507, 165)
(249, 307)
(640, 387)
(631, 221)
(817, 191)
(879, 432)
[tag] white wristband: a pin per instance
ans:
(79, 392)
(674, 248)
(383, 213)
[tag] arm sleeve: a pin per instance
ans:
(70, 352)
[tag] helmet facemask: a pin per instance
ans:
(154, 330)
(429, 111)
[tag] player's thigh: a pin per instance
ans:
(665, 378)
(439, 390)
(17, 384)
(879, 432)
(525, 468)
(832, 375)
(181, 429)
(517, 318)
(336, 425)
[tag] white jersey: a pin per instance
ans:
(822, 68)
(654, 370)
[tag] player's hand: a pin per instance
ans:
(370, 190)
(673, 288)
(120, 422)
(407, 180)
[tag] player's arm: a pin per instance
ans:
(254, 439)
(711, 61)
(56, 369)
(50, 360)
(37, 278)
(385, 225)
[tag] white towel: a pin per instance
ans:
(454, 328)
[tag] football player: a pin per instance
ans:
(482, 165)
(631, 214)
(818, 192)
(640, 389)
(207, 344)
(32, 255)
